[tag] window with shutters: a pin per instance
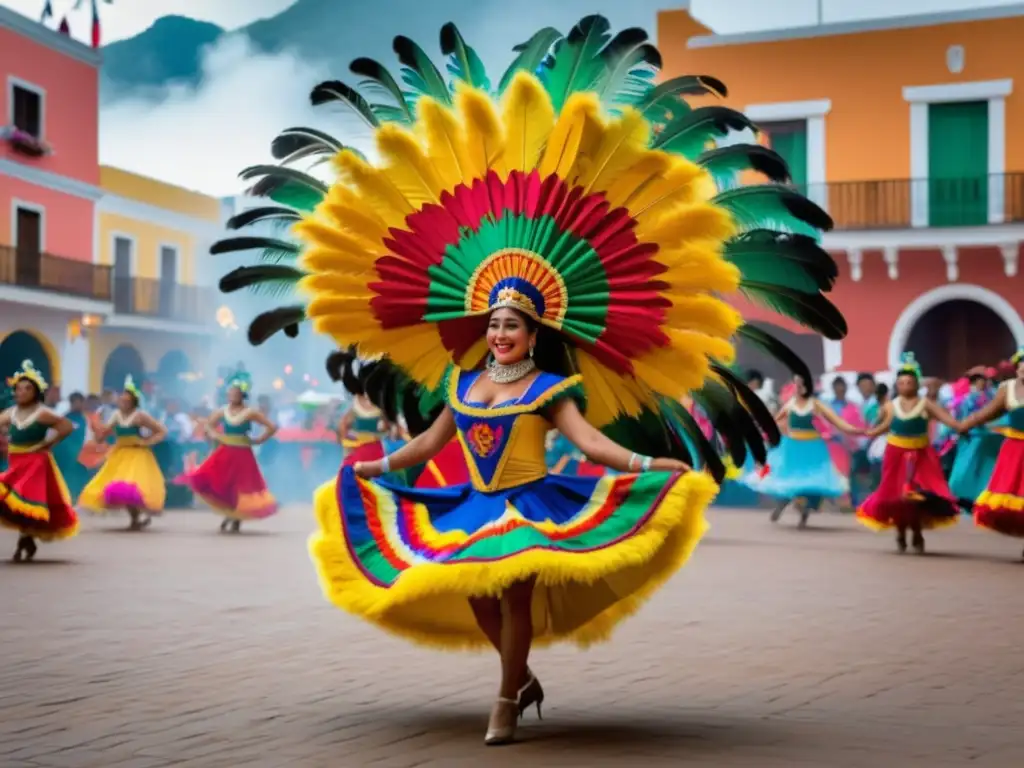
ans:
(27, 109)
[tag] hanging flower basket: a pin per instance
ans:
(25, 143)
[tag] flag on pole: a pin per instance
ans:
(95, 25)
(47, 13)
(64, 28)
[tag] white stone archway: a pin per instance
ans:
(951, 292)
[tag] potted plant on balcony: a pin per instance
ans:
(25, 143)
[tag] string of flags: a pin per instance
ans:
(65, 29)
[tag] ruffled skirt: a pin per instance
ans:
(34, 499)
(407, 559)
(129, 477)
(975, 459)
(1000, 507)
(230, 481)
(913, 492)
(799, 469)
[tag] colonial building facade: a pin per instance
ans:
(907, 131)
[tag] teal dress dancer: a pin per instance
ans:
(66, 454)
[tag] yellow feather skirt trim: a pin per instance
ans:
(628, 572)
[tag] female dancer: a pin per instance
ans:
(913, 493)
(1000, 507)
(130, 478)
(800, 470)
(975, 451)
(584, 256)
(33, 497)
(229, 480)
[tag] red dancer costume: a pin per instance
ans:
(33, 497)
(1000, 507)
(230, 480)
(913, 493)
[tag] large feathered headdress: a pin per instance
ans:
(575, 190)
(28, 372)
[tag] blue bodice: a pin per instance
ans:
(504, 443)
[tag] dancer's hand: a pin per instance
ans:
(670, 465)
(368, 469)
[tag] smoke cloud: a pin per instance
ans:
(201, 138)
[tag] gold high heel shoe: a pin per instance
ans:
(501, 728)
(531, 693)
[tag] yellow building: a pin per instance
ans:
(155, 237)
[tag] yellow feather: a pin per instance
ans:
(354, 215)
(608, 394)
(446, 142)
(338, 262)
(683, 364)
(562, 150)
(407, 165)
(334, 247)
(475, 354)
(702, 276)
(685, 223)
(680, 184)
(651, 167)
(485, 143)
(375, 187)
(528, 117)
(705, 314)
(624, 142)
(335, 286)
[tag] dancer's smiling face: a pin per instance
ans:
(907, 385)
(127, 402)
(235, 396)
(510, 335)
(26, 393)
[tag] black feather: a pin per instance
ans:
(772, 346)
(250, 242)
(272, 177)
(378, 76)
(270, 212)
(765, 250)
(812, 310)
(739, 157)
(269, 323)
(755, 405)
(293, 140)
(688, 134)
(336, 90)
(247, 277)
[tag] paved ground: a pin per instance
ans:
(774, 648)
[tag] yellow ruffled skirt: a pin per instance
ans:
(408, 560)
(129, 478)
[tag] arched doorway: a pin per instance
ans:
(19, 346)
(807, 345)
(124, 361)
(168, 373)
(956, 335)
(945, 327)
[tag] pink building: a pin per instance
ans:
(50, 287)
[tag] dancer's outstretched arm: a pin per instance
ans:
(599, 448)
(883, 425)
(991, 412)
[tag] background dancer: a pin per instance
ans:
(229, 480)
(913, 494)
(1000, 506)
(130, 477)
(800, 470)
(975, 451)
(34, 500)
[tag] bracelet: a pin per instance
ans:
(385, 465)
(645, 465)
(632, 457)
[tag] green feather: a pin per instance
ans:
(379, 79)
(668, 95)
(726, 164)
(419, 72)
(630, 63)
(690, 134)
(464, 63)
(792, 261)
(809, 309)
(287, 186)
(769, 206)
(577, 65)
(531, 55)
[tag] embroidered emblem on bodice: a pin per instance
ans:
(484, 440)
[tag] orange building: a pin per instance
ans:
(909, 132)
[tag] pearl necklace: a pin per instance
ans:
(506, 374)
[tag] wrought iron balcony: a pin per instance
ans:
(56, 274)
(905, 203)
(164, 300)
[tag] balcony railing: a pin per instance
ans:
(46, 272)
(163, 300)
(905, 203)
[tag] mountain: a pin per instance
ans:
(167, 52)
(333, 32)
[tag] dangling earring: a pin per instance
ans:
(531, 351)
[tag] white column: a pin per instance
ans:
(996, 160)
(817, 186)
(919, 164)
(75, 363)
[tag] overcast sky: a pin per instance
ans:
(128, 17)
